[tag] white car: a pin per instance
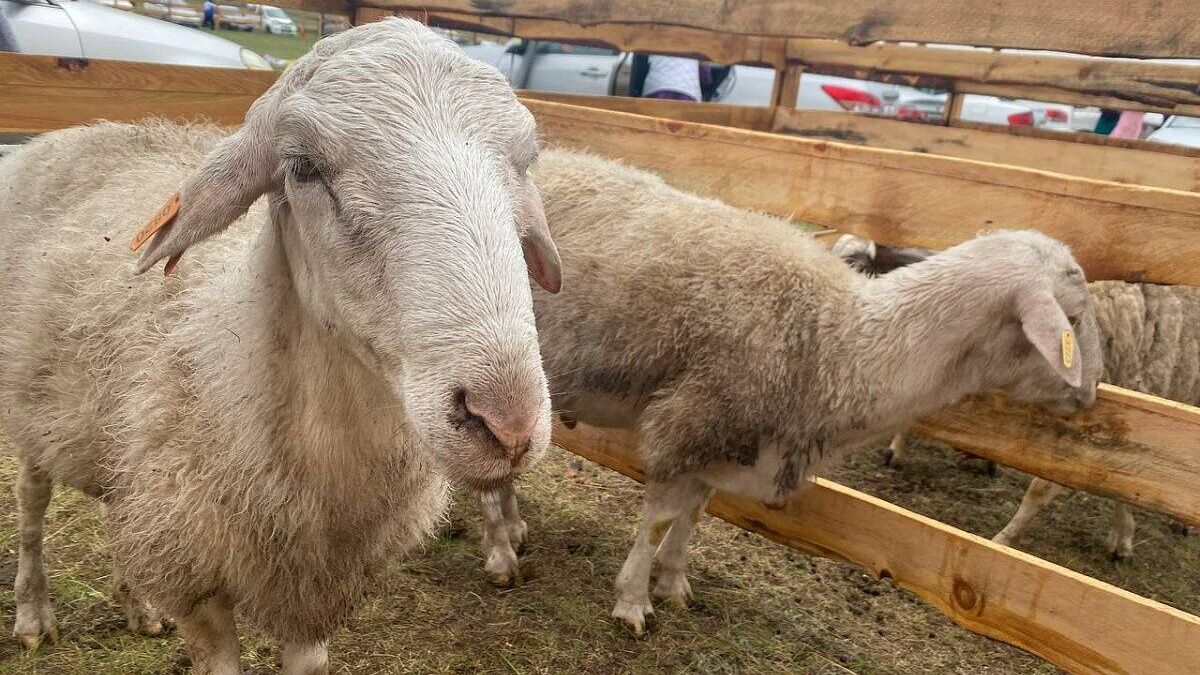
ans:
(1178, 130)
(274, 20)
(88, 30)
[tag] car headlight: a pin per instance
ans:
(253, 61)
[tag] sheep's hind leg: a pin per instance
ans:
(894, 455)
(502, 537)
(1039, 493)
(1120, 537)
(211, 638)
(664, 502)
(310, 659)
(140, 616)
(35, 617)
(672, 585)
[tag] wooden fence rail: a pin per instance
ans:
(1071, 620)
(1117, 231)
(1164, 29)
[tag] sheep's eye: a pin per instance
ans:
(303, 169)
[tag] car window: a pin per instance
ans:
(1186, 122)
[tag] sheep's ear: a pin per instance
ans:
(233, 175)
(541, 255)
(1047, 327)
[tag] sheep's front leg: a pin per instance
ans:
(310, 659)
(1120, 536)
(211, 638)
(664, 502)
(35, 617)
(672, 585)
(503, 535)
(1040, 493)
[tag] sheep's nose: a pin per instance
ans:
(512, 429)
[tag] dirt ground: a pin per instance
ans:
(759, 608)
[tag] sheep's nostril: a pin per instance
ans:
(512, 431)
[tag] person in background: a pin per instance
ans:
(1108, 120)
(8, 39)
(1129, 125)
(210, 15)
(672, 77)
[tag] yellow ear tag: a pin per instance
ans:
(1068, 348)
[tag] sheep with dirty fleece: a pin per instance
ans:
(746, 354)
(269, 421)
(1150, 338)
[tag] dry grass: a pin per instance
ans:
(760, 608)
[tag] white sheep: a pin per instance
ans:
(264, 425)
(745, 353)
(1150, 341)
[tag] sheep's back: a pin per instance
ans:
(76, 326)
(662, 288)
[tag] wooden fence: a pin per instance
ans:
(1129, 209)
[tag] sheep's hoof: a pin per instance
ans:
(1181, 529)
(35, 625)
(673, 589)
(502, 568)
(1003, 539)
(889, 458)
(634, 615)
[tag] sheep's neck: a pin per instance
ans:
(911, 347)
(334, 421)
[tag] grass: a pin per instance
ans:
(280, 46)
(760, 608)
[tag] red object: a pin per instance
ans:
(911, 114)
(1056, 114)
(1021, 119)
(855, 100)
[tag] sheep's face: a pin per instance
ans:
(405, 175)
(1045, 347)
(398, 174)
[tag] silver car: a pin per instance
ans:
(88, 30)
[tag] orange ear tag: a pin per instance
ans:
(161, 219)
(1068, 348)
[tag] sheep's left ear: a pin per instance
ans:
(233, 175)
(541, 255)
(1047, 327)
(237, 172)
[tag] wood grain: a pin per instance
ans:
(1130, 446)
(1060, 153)
(1075, 622)
(742, 117)
(1134, 28)
(1132, 85)
(900, 198)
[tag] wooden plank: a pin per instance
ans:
(1075, 622)
(742, 117)
(1133, 85)
(43, 93)
(53, 71)
(900, 198)
(35, 110)
(1061, 153)
(657, 38)
(1130, 446)
(1134, 28)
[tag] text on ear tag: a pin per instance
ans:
(1068, 348)
(161, 218)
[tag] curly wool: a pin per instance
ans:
(126, 389)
